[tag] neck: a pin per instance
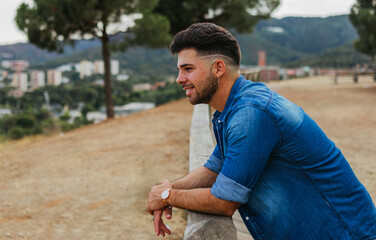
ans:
(223, 92)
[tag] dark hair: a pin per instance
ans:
(207, 39)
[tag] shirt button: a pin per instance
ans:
(247, 218)
(219, 121)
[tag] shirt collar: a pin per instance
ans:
(234, 90)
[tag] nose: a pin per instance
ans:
(180, 79)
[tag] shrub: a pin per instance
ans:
(16, 133)
(25, 121)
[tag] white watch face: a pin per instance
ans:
(165, 194)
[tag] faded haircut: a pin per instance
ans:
(207, 39)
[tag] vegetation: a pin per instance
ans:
(34, 119)
(242, 15)
(25, 124)
(363, 17)
(341, 57)
(91, 96)
(49, 24)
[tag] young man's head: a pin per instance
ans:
(208, 39)
(206, 53)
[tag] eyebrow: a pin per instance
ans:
(185, 65)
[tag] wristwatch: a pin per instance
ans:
(165, 194)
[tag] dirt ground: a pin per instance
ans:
(92, 183)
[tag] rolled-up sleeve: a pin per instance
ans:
(251, 137)
(227, 189)
(215, 161)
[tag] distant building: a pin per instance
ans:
(290, 73)
(20, 65)
(65, 80)
(142, 87)
(99, 82)
(282, 74)
(6, 64)
(3, 74)
(157, 85)
(54, 77)
(37, 79)
(86, 68)
(115, 67)
(96, 117)
(122, 77)
(5, 111)
(98, 67)
(16, 93)
(73, 115)
(260, 73)
(261, 58)
(268, 73)
(19, 81)
(15, 65)
(132, 108)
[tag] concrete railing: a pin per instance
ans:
(199, 225)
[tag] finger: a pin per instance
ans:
(164, 228)
(157, 219)
(168, 212)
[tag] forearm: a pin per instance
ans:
(199, 178)
(201, 200)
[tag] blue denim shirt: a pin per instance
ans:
(292, 181)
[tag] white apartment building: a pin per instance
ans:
(19, 80)
(98, 67)
(37, 79)
(86, 68)
(54, 77)
(114, 67)
(3, 74)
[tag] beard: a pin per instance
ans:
(209, 88)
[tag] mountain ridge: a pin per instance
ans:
(289, 41)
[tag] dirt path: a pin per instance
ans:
(92, 183)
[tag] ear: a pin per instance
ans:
(219, 68)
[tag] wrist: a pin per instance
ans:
(170, 198)
(165, 195)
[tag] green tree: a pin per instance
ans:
(50, 24)
(363, 17)
(239, 14)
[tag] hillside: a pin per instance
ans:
(286, 41)
(93, 183)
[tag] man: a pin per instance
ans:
(272, 162)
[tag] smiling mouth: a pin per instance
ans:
(188, 90)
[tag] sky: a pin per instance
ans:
(9, 32)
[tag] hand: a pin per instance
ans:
(159, 226)
(155, 202)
